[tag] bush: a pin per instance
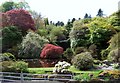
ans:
(114, 55)
(61, 67)
(7, 57)
(79, 50)
(10, 66)
(11, 36)
(114, 42)
(83, 61)
(68, 54)
(51, 51)
(79, 35)
(57, 34)
(19, 18)
(31, 46)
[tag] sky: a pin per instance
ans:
(62, 10)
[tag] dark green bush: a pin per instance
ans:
(83, 61)
(11, 66)
(114, 55)
(68, 54)
(11, 36)
(79, 50)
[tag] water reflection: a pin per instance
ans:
(36, 63)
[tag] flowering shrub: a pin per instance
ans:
(61, 67)
(19, 18)
(31, 45)
(51, 51)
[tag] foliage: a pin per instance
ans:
(100, 13)
(79, 35)
(31, 45)
(114, 42)
(43, 32)
(114, 55)
(7, 6)
(61, 67)
(11, 36)
(46, 21)
(51, 51)
(83, 61)
(7, 57)
(82, 77)
(114, 20)
(38, 20)
(79, 50)
(57, 34)
(100, 31)
(10, 66)
(68, 54)
(20, 18)
(93, 49)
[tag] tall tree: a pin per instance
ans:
(46, 21)
(86, 16)
(100, 13)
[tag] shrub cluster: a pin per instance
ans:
(11, 66)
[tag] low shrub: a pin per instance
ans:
(11, 66)
(82, 77)
(68, 54)
(7, 57)
(51, 51)
(83, 61)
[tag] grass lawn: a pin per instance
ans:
(40, 70)
(49, 70)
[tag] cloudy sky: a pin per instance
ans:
(63, 10)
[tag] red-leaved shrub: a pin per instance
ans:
(51, 51)
(18, 17)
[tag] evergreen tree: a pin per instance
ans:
(100, 13)
(86, 16)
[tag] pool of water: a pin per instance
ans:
(36, 63)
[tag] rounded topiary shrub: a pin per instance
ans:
(83, 61)
(114, 55)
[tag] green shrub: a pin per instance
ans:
(82, 77)
(11, 36)
(79, 35)
(31, 46)
(79, 50)
(7, 56)
(93, 50)
(68, 54)
(114, 42)
(114, 55)
(11, 66)
(83, 61)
